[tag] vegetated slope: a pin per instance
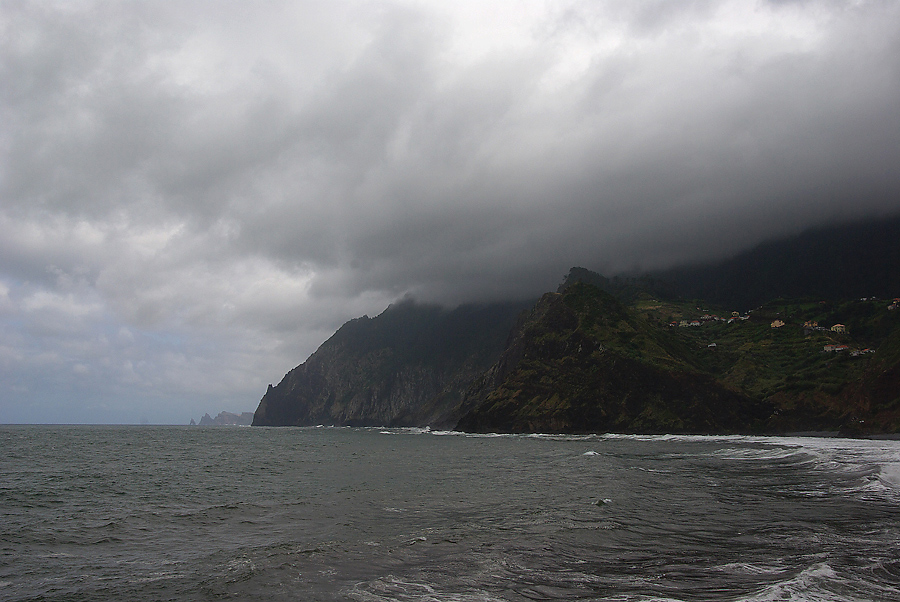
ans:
(785, 353)
(583, 362)
(876, 396)
(409, 366)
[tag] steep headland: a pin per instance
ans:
(409, 366)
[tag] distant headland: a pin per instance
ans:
(225, 419)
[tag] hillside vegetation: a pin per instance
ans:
(585, 361)
(788, 365)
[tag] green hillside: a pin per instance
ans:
(584, 361)
(788, 365)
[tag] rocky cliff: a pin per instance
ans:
(409, 366)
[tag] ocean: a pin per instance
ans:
(217, 513)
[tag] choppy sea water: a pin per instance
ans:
(182, 513)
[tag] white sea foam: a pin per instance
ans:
(890, 475)
(747, 568)
(560, 437)
(815, 584)
(401, 430)
(393, 589)
(241, 565)
(765, 454)
(158, 576)
(666, 438)
(876, 463)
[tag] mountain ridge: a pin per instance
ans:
(607, 353)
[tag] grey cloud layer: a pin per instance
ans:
(198, 189)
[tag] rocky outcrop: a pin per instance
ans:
(409, 366)
(226, 419)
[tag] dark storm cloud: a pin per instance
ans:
(202, 189)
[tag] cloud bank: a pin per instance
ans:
(194, 195)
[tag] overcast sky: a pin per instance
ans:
(195, 195)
